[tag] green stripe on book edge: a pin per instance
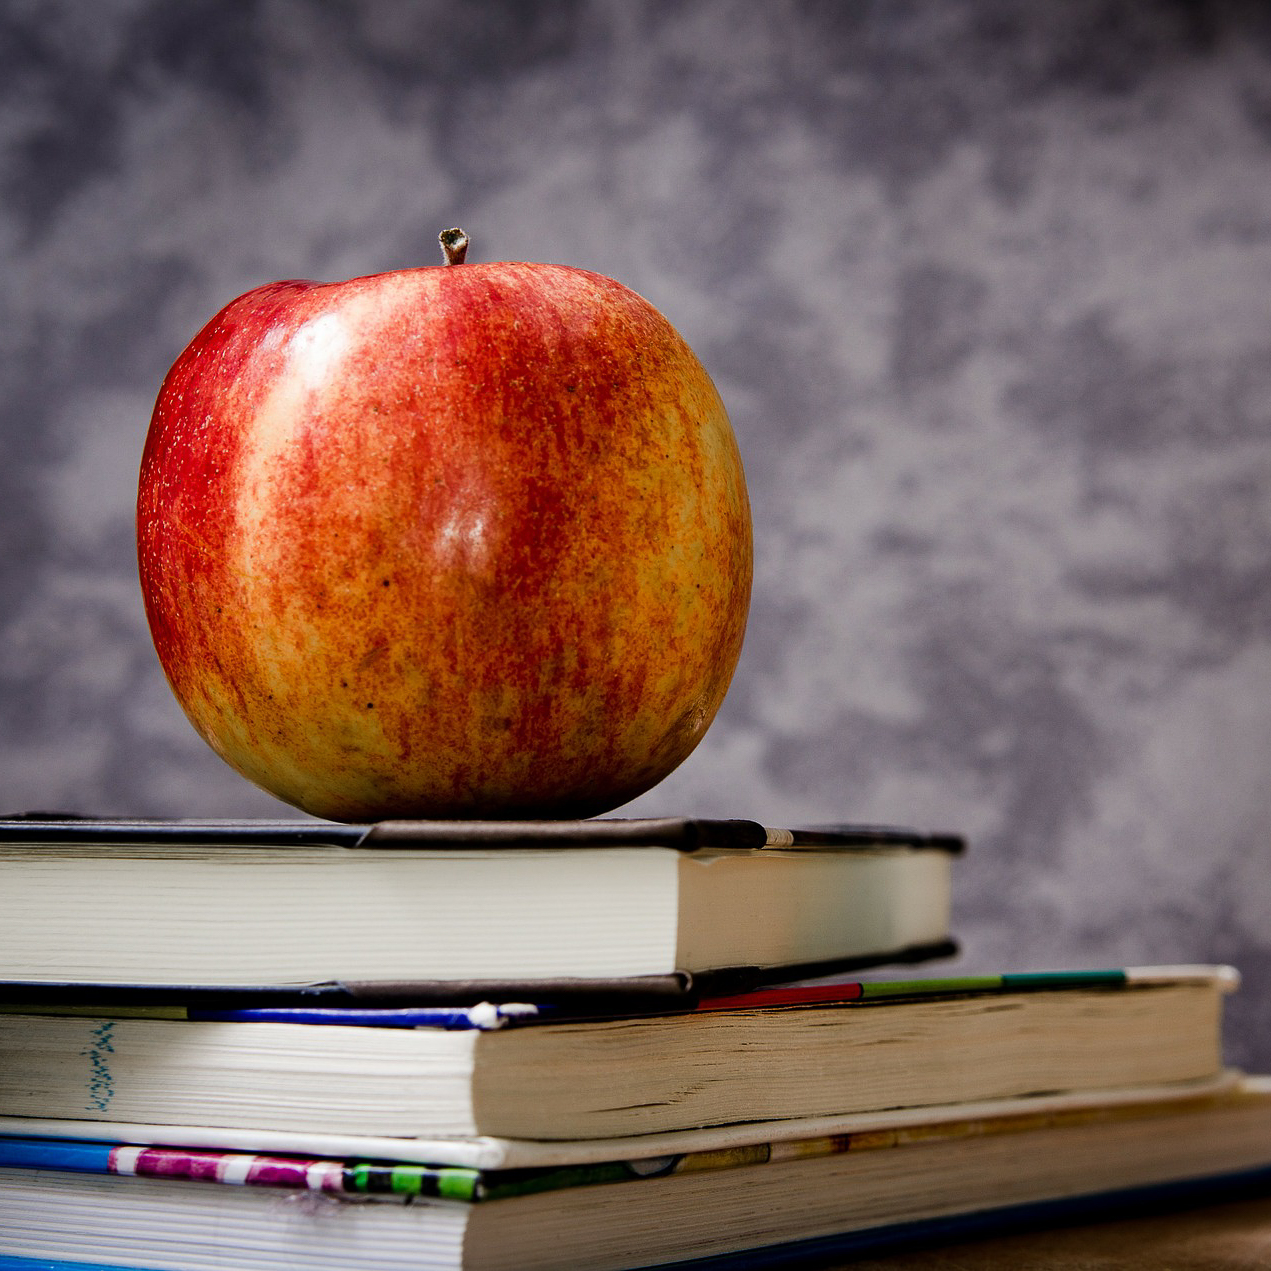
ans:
(931, 988)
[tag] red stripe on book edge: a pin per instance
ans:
(805, 995)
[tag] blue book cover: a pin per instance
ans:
(51, 1264)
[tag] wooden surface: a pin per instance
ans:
(1228, 1237)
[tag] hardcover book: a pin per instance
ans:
(457, 910)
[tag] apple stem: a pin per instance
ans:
(454, 244)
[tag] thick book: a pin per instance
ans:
(779, 1194)
(520, 1071)
(457, 909)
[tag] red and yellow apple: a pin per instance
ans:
(470, 540)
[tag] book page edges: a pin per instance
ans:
(809, 907)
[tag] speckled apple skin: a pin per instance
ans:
(463, 541)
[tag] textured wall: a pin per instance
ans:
(986, 287)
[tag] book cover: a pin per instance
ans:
(683, 833)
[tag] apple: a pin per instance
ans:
(466, 540)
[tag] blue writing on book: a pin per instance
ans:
(101, 1084)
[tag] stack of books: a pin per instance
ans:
(602, 1044)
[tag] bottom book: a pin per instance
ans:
(764, 1195)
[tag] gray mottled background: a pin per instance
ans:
(985, 286)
